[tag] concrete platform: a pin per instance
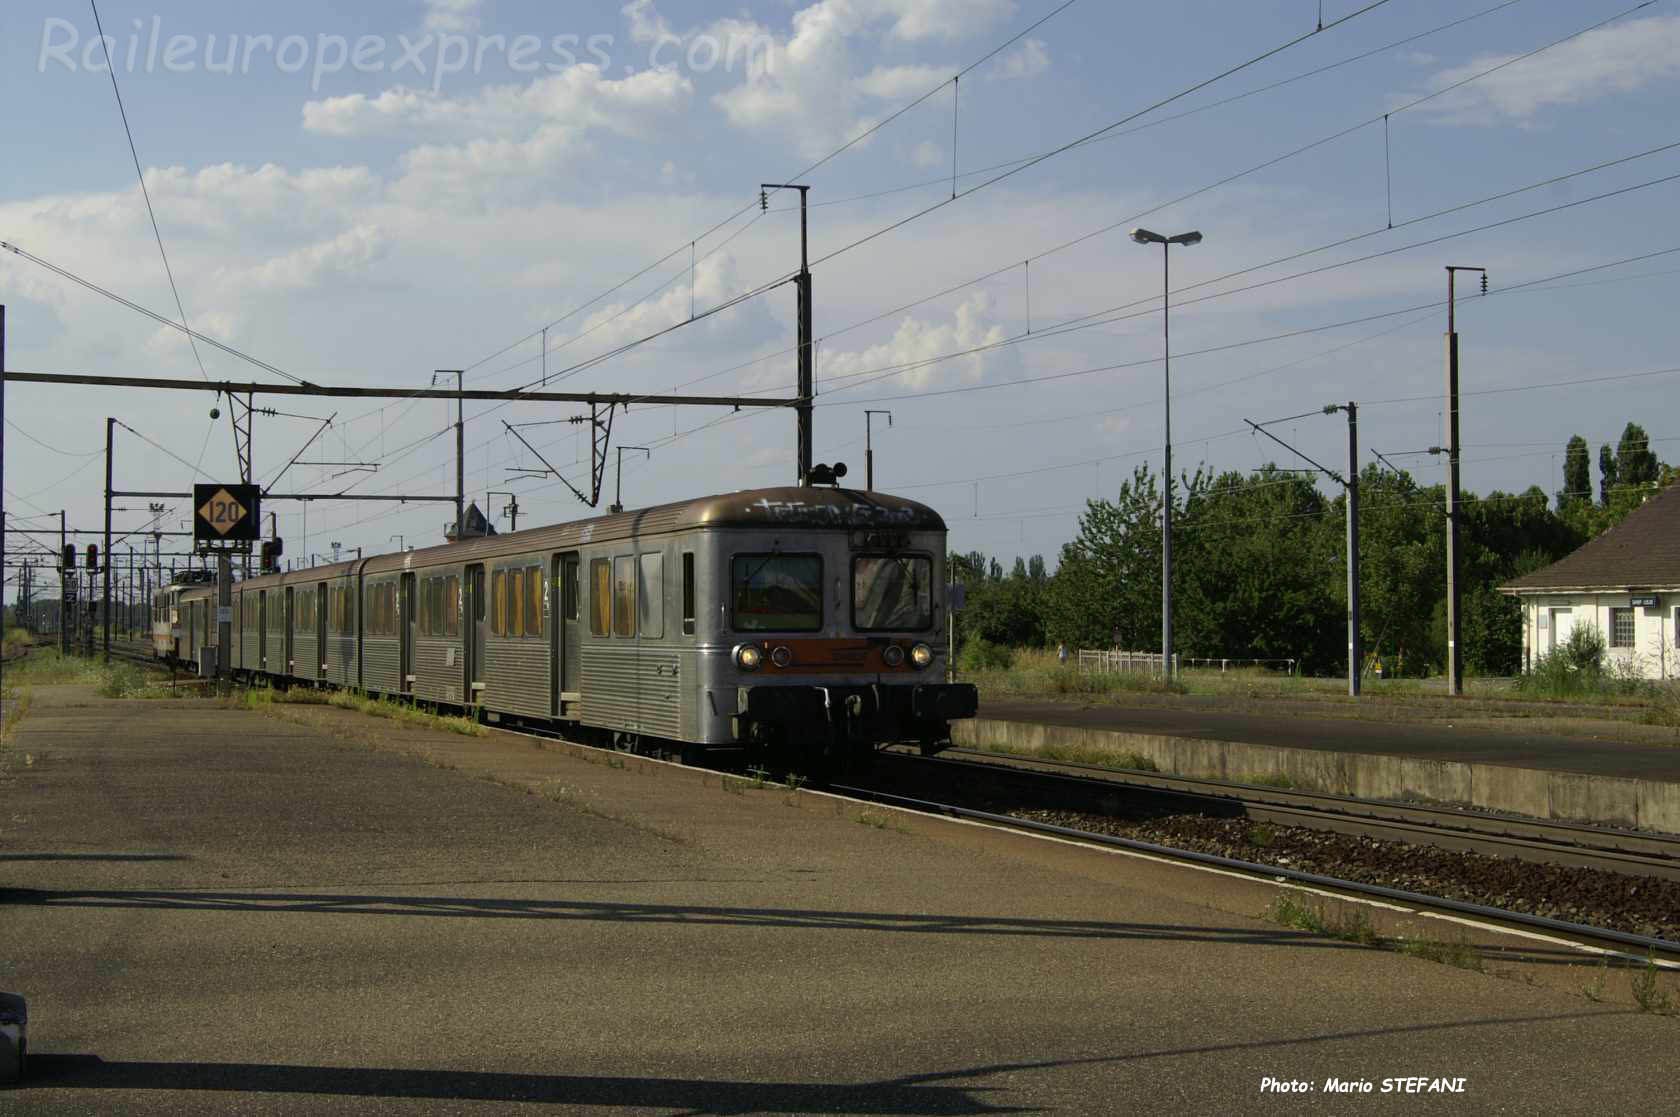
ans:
(214, 910)
(1537, 774)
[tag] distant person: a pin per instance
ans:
(1061, 654)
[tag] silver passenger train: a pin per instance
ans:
(796, 626)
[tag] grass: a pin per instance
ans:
(1037, 673)
(1351, 926)
(1460, 954)
(264, 699)
(1354, 926)
(1647, 990)
(879, 820)
(1261, 836)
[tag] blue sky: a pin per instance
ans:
(356, 225)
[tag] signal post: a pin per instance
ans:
(226, 519)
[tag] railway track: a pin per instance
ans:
(1635, 852)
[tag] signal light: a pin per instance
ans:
(69, 556)
(93, 557)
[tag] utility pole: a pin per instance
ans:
(1351, 484)
(511, 508)
(460, 449)
(65, 555)
(807, 376)
(1356, 655)
(105, 595)
(1455, 650)
(869, 447)
(618, 489)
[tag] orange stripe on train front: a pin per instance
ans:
(837, 656)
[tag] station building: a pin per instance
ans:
(1626, 583)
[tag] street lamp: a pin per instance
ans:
(1145, 237)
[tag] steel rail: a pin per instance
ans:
(1634, 846)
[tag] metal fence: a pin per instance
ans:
(1122, 663)
(1149, 663)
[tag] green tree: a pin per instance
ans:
(1606, 474)
(1577, 472)
(1635, 463)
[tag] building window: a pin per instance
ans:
(1621, 628)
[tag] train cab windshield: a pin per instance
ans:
(892, 592)
(776, 593)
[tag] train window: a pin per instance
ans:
(624, 595)
(688, 593)
(516, 603)
(533, 601)
(452, 605)
(600, 596)
(892, 592)
(777, 593)
(498, 603)
(650, 591)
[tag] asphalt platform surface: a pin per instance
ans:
(219, 911)
(1515, 747)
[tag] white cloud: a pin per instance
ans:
(894, 83)
(814, 94)
(1603, 63)
(927, 154)
(339, 257)
(451, 15)
(578, 97)
(1028, 60)
(917, 340)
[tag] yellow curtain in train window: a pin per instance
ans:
(452, 606)
(533, 601)
(516, 603)
(600, 596)
(498, 603)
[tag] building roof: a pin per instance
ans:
(1641, 552)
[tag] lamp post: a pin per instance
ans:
(869, 447)
(1144, 236)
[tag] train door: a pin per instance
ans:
(262, 629)
(287, 622)
(568, 644)
(405, 621)
(472, 630)
(318, 669)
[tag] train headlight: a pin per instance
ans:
(748, 657)
(921, 655)
(893, 655)
(782, 655)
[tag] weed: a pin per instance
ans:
(760, 776)
(1460, 954)
(1595, 990)
(1648, 992)
(735, 785)
(1353, 926)
(880, 820)
(1081, 754)
(121, 681)
(1261, 835)
(615, 761)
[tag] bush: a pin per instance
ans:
(121, 681)
(980, 654)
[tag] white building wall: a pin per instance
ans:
(1655, 653)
